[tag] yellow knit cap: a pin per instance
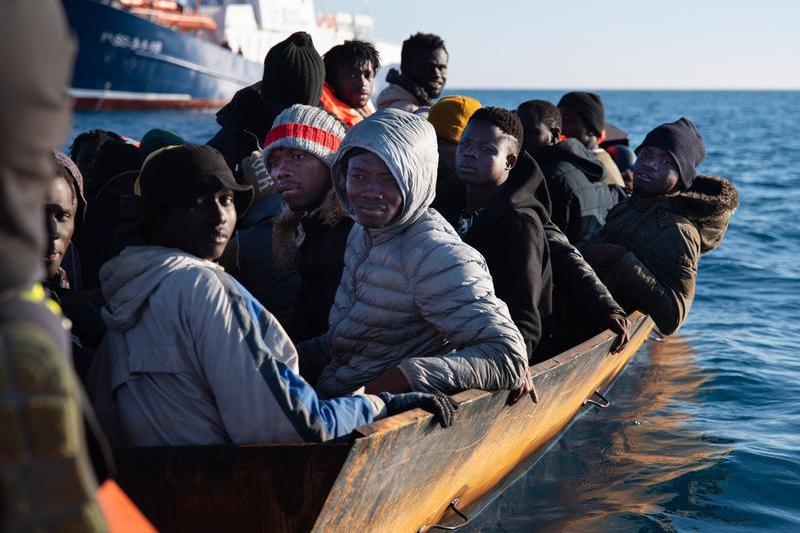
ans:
(450, 115)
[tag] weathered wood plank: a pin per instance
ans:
(404, 471)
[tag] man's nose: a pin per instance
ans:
(52, 228)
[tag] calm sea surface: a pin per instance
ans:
(704, 429)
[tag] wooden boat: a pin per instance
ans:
(402, 473)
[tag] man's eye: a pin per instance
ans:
(63, 217)
(298, 156)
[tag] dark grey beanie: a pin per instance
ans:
(683, 142)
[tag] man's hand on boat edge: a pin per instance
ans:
(442, 406)
(526, 388)
(621, 326)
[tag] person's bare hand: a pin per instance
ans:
(526, 388)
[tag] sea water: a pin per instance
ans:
(703, 433)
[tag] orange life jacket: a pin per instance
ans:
(343, 111)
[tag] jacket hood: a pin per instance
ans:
(248, 111)
(128, 280)
(406, 143)
(709, 204)
(525, 188)
(574, 152)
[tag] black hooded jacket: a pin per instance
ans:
(245, 122)
(580, 300)
(510, 236)
(580, 198)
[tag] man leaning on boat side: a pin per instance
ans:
(648, 251)
(416, 307)
(422, 75)
(193, 358)
(574, 281)
(293, 74)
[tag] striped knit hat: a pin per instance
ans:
(311, 129)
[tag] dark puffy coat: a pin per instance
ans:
(319, 260)
(245, 122)
(510, 236)
(275, 289)
(665, 236)
(579, 196)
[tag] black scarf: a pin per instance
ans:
(422, 96)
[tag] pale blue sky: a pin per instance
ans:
(607, 44)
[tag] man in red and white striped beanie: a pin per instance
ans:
(298, 152)
(310, 236)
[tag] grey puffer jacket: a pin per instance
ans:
(413, 294)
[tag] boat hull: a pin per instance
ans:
(398, 474)
(127, 62)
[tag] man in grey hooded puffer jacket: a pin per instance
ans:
(413, 296)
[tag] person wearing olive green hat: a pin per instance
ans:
(449, 117)
(158, 138)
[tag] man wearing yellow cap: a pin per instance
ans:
(449, 117)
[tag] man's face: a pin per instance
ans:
(372, 191)
(429, 69)
(573, 127)
(354, 85)
(201, 226)
(60, 206)
(485, 155)
(302, 178)
(655, 172)
(538, 136)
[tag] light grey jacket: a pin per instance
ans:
(412, 293)
(195, 359)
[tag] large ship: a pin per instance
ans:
(191, 54)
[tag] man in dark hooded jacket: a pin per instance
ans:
(503, 221)
(579, 197)
(651, 244)
(293, 74)
(584, 305)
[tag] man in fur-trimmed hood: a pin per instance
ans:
(310, 235)
(648, 251)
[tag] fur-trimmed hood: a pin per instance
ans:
(708, 204)
(287, 231)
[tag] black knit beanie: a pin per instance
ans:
(589, 107)
(293, 72)
(681, 140)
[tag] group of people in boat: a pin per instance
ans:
(320, 264)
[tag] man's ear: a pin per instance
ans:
(511, 160)
(555, 133)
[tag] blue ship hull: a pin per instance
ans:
(125, 61)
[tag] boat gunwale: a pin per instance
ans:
(538, 370)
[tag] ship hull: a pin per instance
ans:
(127, 62)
